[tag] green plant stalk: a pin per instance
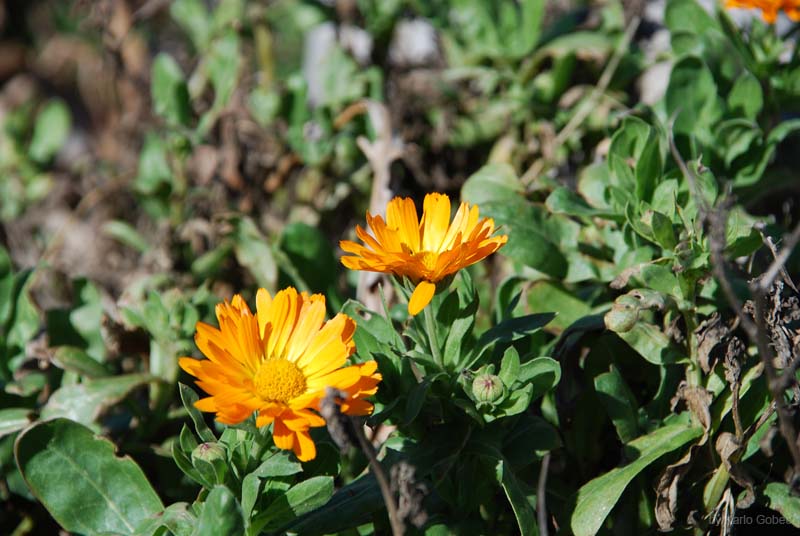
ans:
(694, 374)
(433, 339)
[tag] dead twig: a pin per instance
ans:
(541, 502)
(380, 153)
(756, 329)
(342, 428)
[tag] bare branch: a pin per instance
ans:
(756, 330)
(777, 265)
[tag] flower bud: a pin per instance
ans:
(210, 459)
(621, 318)
(487, 388)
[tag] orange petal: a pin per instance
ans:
(421, 297)
(304, 447)
(282, 436)
(263, 303)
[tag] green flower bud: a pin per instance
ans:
(621, 318)
(210, 459)
(487, 388)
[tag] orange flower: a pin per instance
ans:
(769, 8)
(278, 362)
(425, 251)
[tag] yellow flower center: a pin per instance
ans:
(429, 259)
(279, 380)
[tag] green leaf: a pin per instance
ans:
(416, 398)
(311, 256)
(565, 201)
(50, 131)
(665, 198)
(509, 366)
(660, 278)
(459, 321)
(663, 231)
(351, 505)
(523, 510)
(84, 402)
(619, 403)
(510, 330)
(228, 12)
(6, 286)
(781, 500)
(176, 518)
(125, 233)
(14, 419)
(264, 105)
(254, 252)
(81, 482)
(24, 320)
(493, 183)
(76, 360)
(746, 96)
(546, 296)
(278, 464)
(87, 318)
(223, 68)
(517, 402)
(692, 96)
(193, 18)
(189, 397)
(221, 514)
(688, 16)
(596, 498)
(168, 87)
(542, 373)
(529, 435)
(652, 344)
(154, 172)
(340, 79)
(302, 498)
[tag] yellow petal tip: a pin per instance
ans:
(421, 297)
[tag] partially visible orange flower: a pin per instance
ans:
(278, 362)
(425, 251)
(769, 8)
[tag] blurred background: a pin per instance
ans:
(157, 156)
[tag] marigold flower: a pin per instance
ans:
(769, 8)
(278, 362)
(425, 251)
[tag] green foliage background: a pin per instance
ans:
(157, 157)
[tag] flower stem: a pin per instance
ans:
(433, 339)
